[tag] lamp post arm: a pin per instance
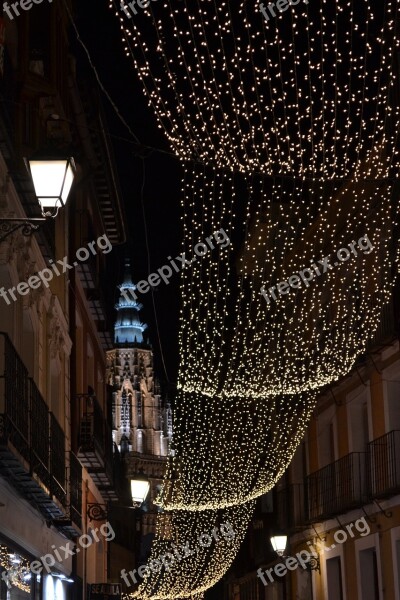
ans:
(27, 226)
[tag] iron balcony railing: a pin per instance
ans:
(40, 436)
(47, 459)
(383, 465)
(109, 455)
(14, 383)
(57, 460)
(75, 489)
(32, 443)
(92, 425)
(96, 445)
(290, 506)
(337, 487)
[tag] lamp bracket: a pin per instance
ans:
(385, 512)
(27, 226)
(340, 524)
(317, 534)
(314, 563)
(370, 518)
(97, 512)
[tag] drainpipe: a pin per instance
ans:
(85, 499)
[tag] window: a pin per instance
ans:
(358, 414)
(397, 565)
(139, 411)
(369, 571)
(39, 40)
(327, 437)
(395, 537)
(334, 579)
(392, 408)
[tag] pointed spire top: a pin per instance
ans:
(127, 273)
(128, 328)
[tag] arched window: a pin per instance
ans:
(139, 409)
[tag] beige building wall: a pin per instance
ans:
(362, 560)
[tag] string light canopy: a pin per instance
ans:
(305, 94)
(308, 337)
(239, 455)
(288, 132)
(199, 547)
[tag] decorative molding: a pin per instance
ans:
(59, 340)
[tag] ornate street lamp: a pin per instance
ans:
(279, 544)
(52, 178)
(140, 486)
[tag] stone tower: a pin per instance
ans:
(142, 420)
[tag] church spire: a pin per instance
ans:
(128, 327)
(127, 275)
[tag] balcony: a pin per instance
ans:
(32, 443)
(75, 489)
(338, 487)
(14, 416)
(57, 460)
(290, 507)
(89, 275)
(383, 465)
(95, 445)
(348, 483)
(40, 438)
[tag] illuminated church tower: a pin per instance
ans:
(142, 421)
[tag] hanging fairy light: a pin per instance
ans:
(199, 549)
(289, 137)
(305, 95)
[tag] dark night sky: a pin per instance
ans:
(100, 32)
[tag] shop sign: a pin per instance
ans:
(105, 591)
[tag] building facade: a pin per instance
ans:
(342, 491)
(56, 452)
